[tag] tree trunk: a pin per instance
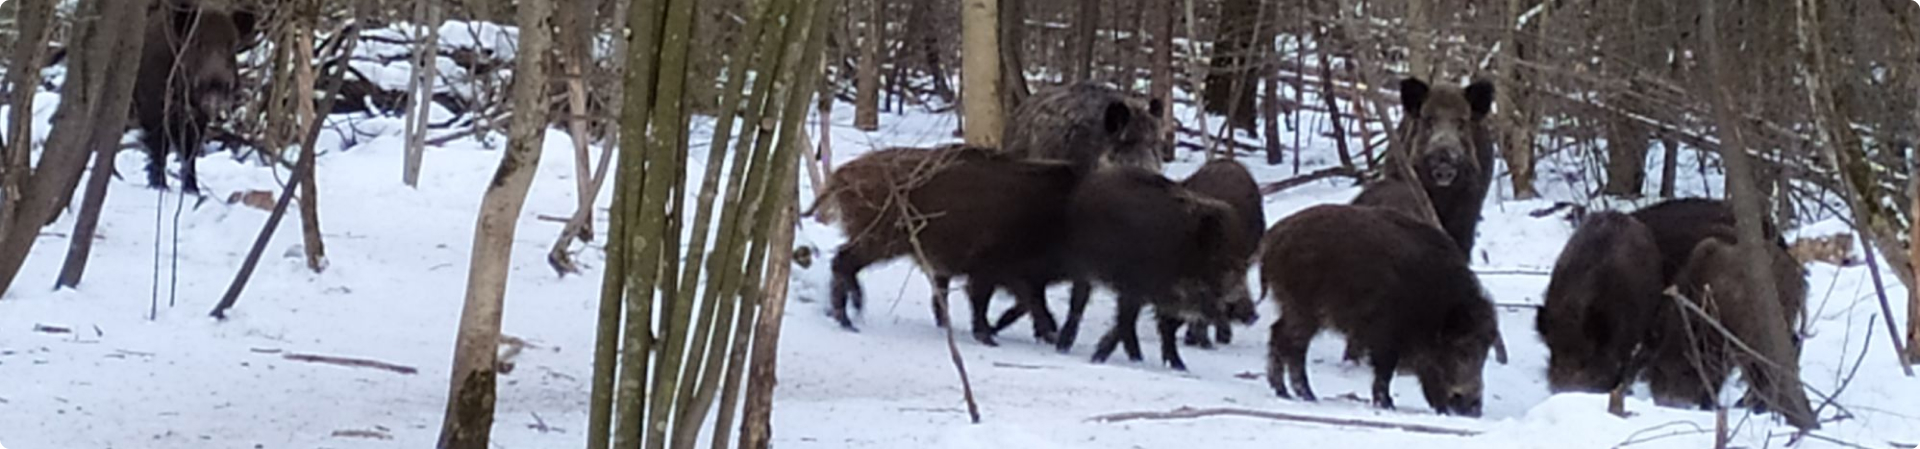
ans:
(756, 427)
(420, 91)
(1162, 17)
(1518, 144)
(1227, 91)
(866, 102)
(97, 95)
(1086, 27)
(1419, 34)
(1013, 66)
(470, 397)
(1744, 195)
(32, 22)
(980, 72)
(316, 250)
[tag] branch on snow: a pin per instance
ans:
(1193, 413)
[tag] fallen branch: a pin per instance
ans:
(1283, 185)
(1193, 413)
(42, 328)
(351, 362)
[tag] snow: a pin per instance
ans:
(394, 288)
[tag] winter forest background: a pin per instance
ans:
(414, 229)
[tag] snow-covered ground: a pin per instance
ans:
(398, 264)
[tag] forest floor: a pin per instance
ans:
(89, 368)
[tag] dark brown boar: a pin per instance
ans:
(1446, 141)
(1692, 361)
(1679, 225)
(1600, 304)
(1388, 281)
(1090, 125)
(1229, 181)
(1155, 243)
(187, 78)
(960, 211)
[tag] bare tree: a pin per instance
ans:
(866, 103)
(33, 21)
(426, 57)
(470, 397)
(980, 72)
(97, 95)
(1086, 28)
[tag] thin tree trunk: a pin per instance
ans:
(1013, 66)
(756, 430)
(866, 102)
(1227, 83)
(103, 146)
(1162, 17)
(301, 168)
(470, 397)
(33, 20)
(97, 95)
(980, 72)
(1518, 147)
(1086, 27)
(1333, 108)
(420, 91)
(1419, 31)
(1748, 203)
(316, 250)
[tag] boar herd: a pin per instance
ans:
(1076, 195)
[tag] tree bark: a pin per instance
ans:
(1013, 66)
(980, 72)
(1518, 144)
(866, 102)
(33, 22)
(104, 146)
(97, 95)
(1162, 17)
(1227, 91)
(420, 91)
(1419, 33)
(1086, 27)
(470, 397)
(316, 249)
(1669, 166)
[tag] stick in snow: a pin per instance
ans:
(352, 362)
(1193, 413)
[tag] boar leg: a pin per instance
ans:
(1287, 353)
(980, 294)
(1384, 363)
(1223, 332)
(1169, 342)
(1197, 335)
(847, 263)
(1076, 308)
(156, 143)
(1032, 296)
(1126, 320)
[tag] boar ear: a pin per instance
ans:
(1480, 97)
(1118, 116)
(1413, 95)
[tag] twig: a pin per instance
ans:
(1636, 439)
(1687, 303)
(1893, 332)
(42, 328)
(1512, 273)
(1283, 185)
(1835, 440)
(1193, 413)
(352, 362)
(1857, 362)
